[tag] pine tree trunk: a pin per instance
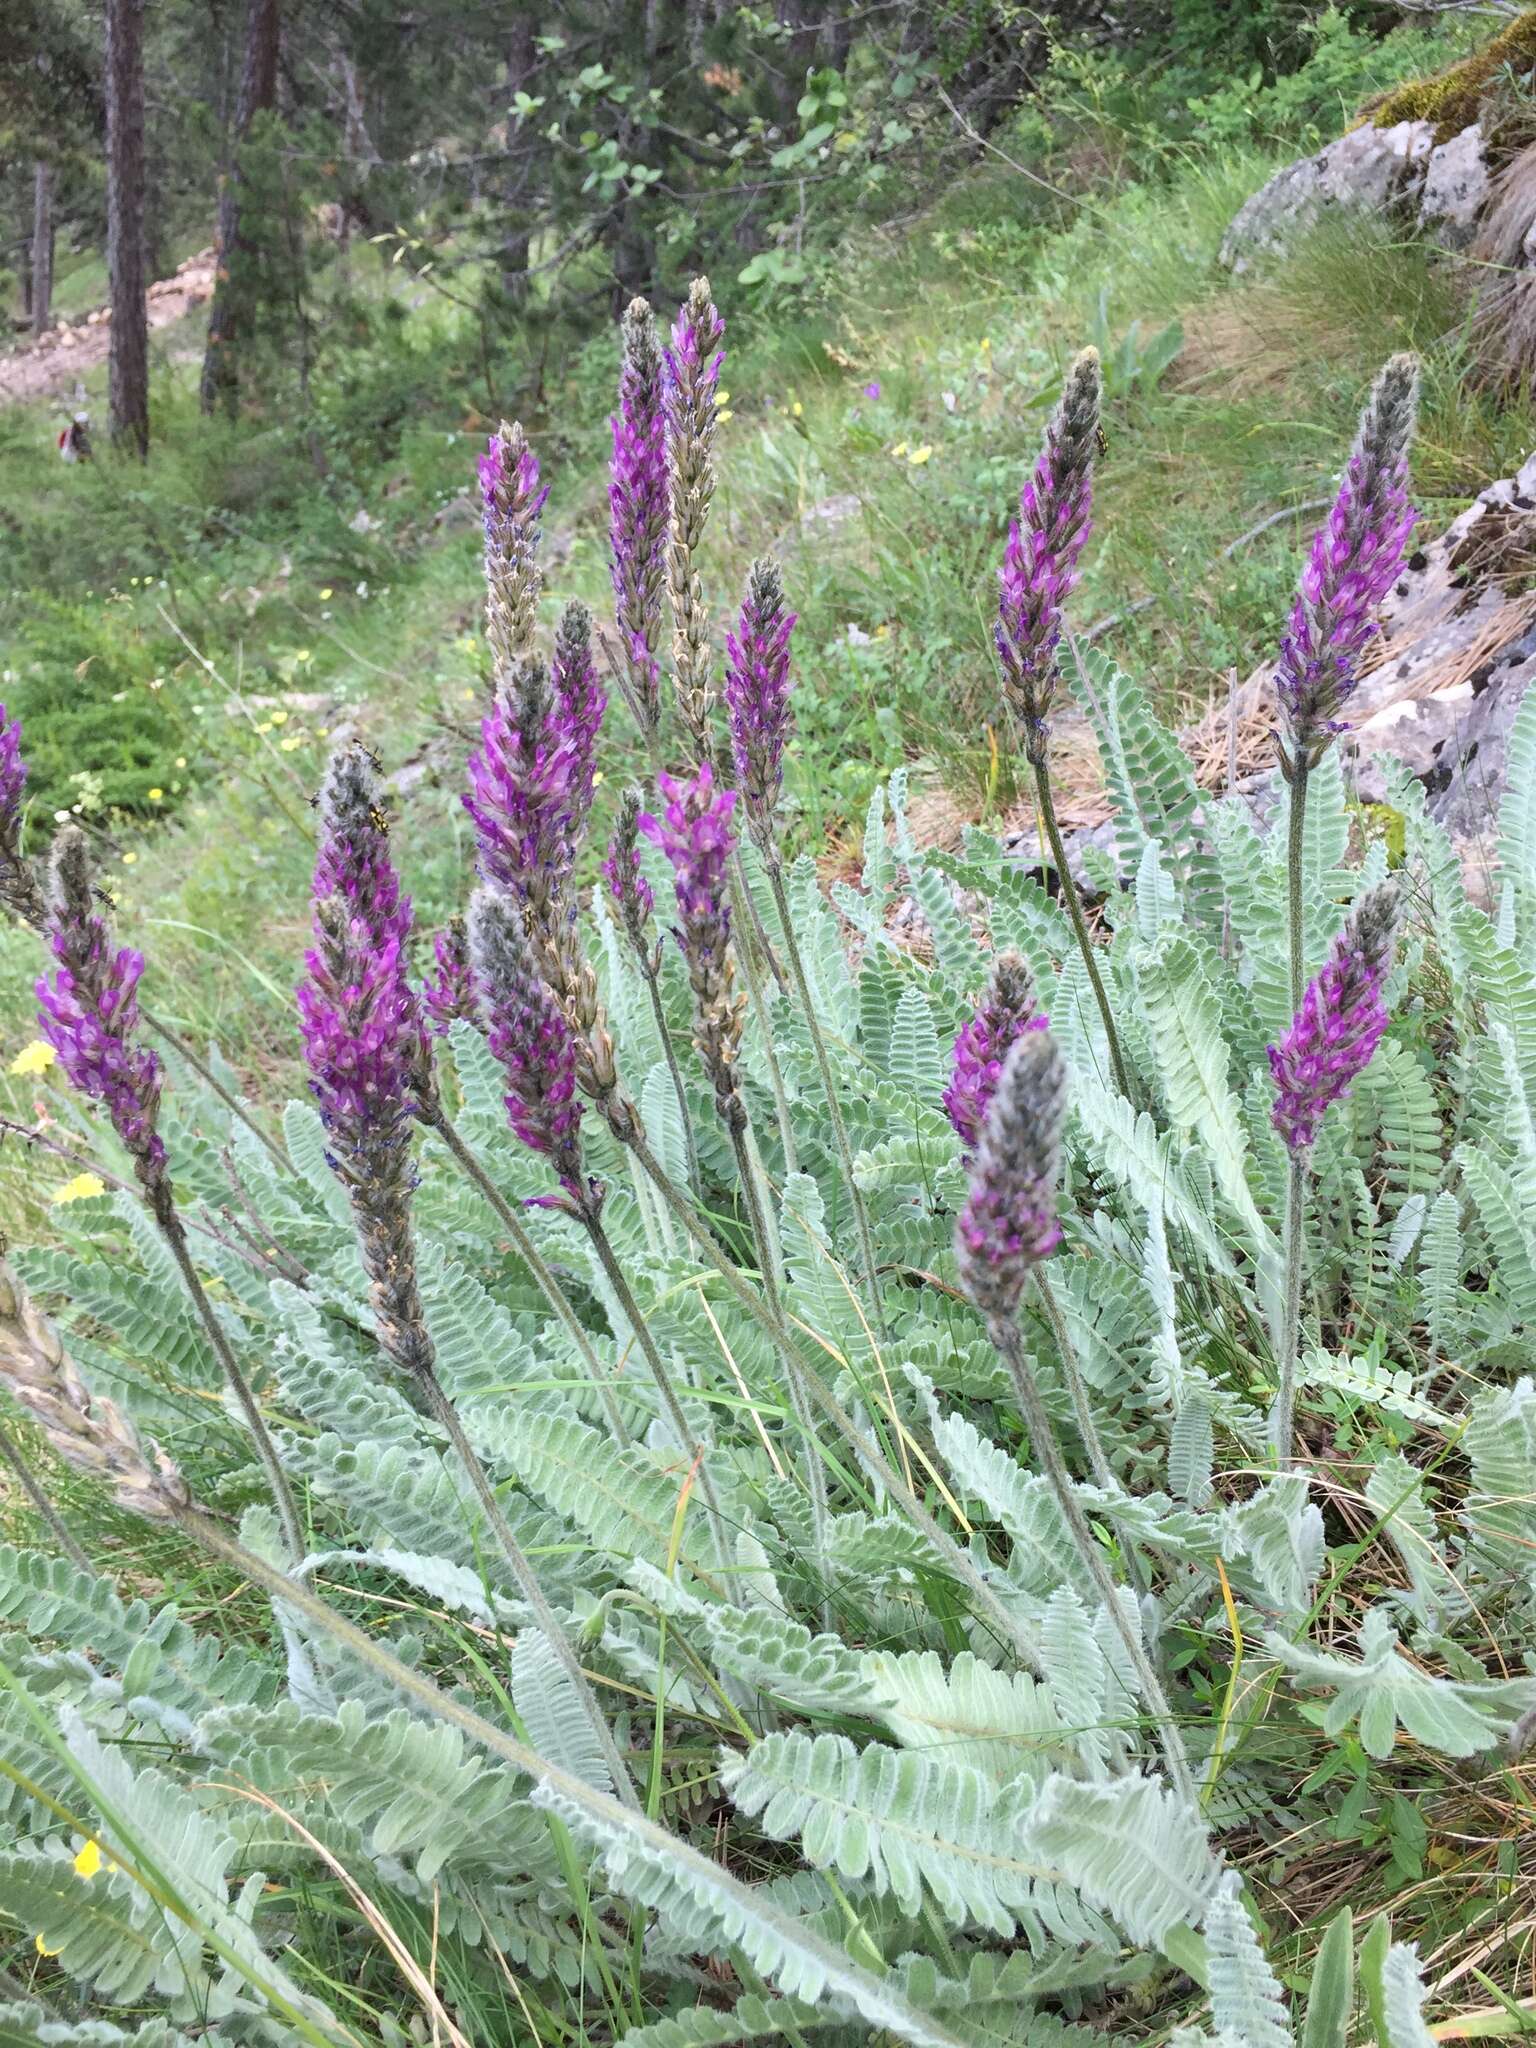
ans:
(258, 90)
(42, 246)
(128, 361)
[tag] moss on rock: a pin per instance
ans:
(1453, 99)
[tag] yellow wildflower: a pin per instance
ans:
(181, 760)
(302, 655)
(797, 409)
(89, 1861)
(724, 414)
(279, 717)
(35, 1058)
(157, 796)
(900, 448)
(129, 859)
(291, 740)
(327, 592)
(919, 455)
(83, 1188)
(722, 398)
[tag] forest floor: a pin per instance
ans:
(58, 360)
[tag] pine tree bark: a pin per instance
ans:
(128, 360)
(258, 90)
(42, 246)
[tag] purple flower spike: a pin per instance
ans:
(89, 1012)
(528, 1033)
(363, 1034)
(1355, 559)
(637, 501)
(1334, 1035)
(626, 881)
(19, 890)
(757, 698)
(1040, 561)
(694, 832)
(524, 791)
(449, 994)
(692, 379)
(1007, 1011)
(512, 499)
(579, 705)
(1009, 1222)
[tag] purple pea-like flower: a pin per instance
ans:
(694, 832)
(19, 890)
(89, 1013)
(872, 391)
(637, 502)
(1009, 1222)
(757, 698)
(512, 499)
(524, 788)
(528, 1032)
(1006, 1011)
(448, 994)
(364, 1038)
(1040, 561)
(1334, 1035)
(1355, 558)
(578, 708)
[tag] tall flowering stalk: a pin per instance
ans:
(1355, 558)
(579, 705)
(636, 904)
(366, 1048)
(637, 504)
(89, 1014)
(1332, 1040)
(758, 700)
(528, 1032)
(512, 499)
(692, 379)
(1007, 1229)
(1040, 566)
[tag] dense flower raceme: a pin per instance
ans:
(1006, 1010)
(1334, 1035)
(19, 890)
(525, 789)
(512, 499)
(448, 993)
(1009, 1222)
(578, 708)
(90, 1013)
(528, 1033)
(692, 379)
(626, 879)
(757, 697)
(1040, 560)
(1355, 559)
(637, 503)
(694, 832)
(363, 1032)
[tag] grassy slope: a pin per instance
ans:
(964, 320)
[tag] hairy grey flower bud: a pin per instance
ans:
(1009, 1220)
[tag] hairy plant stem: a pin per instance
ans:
(1005, 1335)
(534, 1260)
(1295, 856)
(815, 1478)
(163, 1209)
(1072, 1373)
(651, 1840)
(1284, 1418)
(696, 1447)
(829, 1089)
(11, 1453)
(669, 1052)
(1069, 896)
(443, 1411)
(749, 974)
(1023, 1642)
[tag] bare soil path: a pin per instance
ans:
(57, 360)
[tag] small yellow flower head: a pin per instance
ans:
(279, 717)
(157, 796)
(35, 1058)
(326, 593)
(181, 760)
(289, 741)
(797, 409)
(900, 448)
(724, 414)
(919, 455)
(302, 655)
(83, 1188)
(129, 859)
(89, 1861)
